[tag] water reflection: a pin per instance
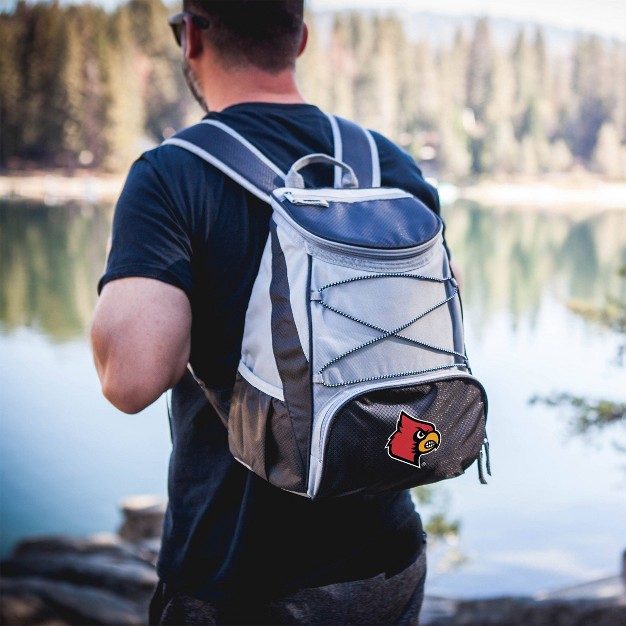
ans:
(51, 259)
(512, 260)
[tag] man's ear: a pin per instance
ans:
(303, 39)
(192, 40)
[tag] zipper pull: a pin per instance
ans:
(481, 473)
(305, 201)
(487, 460)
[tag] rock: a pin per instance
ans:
(129, 579)
(143, 517)
(105, 579)
(530, 612)
(102, 544)
(27, 601)
(436, 610)
(26, 607)
(109, 579)
(44, 573)
(104, 555)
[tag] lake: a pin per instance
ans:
(553, 513)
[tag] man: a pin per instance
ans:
(186, 246)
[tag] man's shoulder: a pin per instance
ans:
(168, 158)
(175, 171)
(400, 169)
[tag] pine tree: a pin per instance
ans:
(480, 69)
(93, 25)
(617, 93)
(43, 114)
(363, 36)
(124, 112)
(164, 91)
(11, 86)
(453, 156)
(561, 159)
(608, 155)
(480, 89)
(343, 65)
(501, 151)
(314, 70)
(71, 141)
(591, 110)
(390, 45)
(427, 101)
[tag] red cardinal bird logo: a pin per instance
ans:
(412, 439)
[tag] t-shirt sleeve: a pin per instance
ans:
(151, 233)
(399, 169)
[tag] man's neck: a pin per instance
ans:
(235, 86)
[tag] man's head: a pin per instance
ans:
(265, 34)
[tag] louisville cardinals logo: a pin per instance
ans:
(412, 439)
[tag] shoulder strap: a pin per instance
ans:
(355, 146)
(235, 156)
(232, 154)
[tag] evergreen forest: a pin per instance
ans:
(81, 87)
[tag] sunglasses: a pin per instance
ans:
(177, 22)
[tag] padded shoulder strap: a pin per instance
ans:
(232, 154)
(235, 156)
(355, 146)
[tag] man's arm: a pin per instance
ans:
(140, 337)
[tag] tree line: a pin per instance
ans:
(82, 87)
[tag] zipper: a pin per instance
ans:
(330, 410)
(306, 201)
(301, 196)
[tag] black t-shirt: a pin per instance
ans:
(228, 534)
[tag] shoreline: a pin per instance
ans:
(56, 187)
(108, 578)
(546, 195)
(556, 193)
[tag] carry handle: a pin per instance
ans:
(296, 181)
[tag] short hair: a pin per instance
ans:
(262, 33)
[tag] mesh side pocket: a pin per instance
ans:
(260, 435)
(404, 437)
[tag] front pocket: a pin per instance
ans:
(369, 447)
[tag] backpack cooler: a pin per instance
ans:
(353, 374)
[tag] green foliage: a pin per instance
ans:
(589, 414)
(433, 505)
(439, 525)
(612, 315)
(11, 34)
(82, 87)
